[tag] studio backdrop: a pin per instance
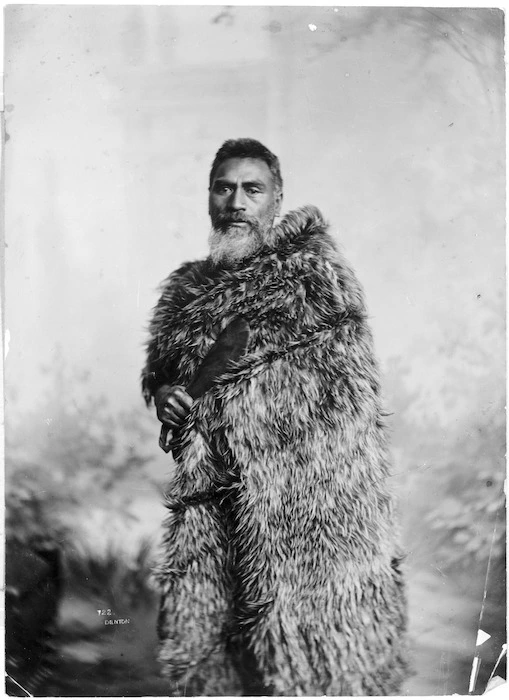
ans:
(392, 122)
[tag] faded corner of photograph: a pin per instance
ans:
(327, 515)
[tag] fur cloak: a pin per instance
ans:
(280, 569)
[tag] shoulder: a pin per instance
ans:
(302, 230)
(187, 273)
(185, 283)
(176, 291)
(303, 239)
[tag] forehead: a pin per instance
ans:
(244, 169)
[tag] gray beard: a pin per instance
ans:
(228, 247)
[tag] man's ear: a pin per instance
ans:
(279, 202)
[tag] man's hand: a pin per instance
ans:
(173, 404)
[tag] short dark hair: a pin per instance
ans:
(247, 148)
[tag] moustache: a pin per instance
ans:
(223, 220)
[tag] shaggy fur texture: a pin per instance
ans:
(279, 571)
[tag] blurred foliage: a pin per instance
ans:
(120, 580)
(470, 520)
(66, 456)
(449, 437)
(472, 525)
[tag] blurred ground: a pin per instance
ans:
(96, 657)
(105, 659)
(443, 636)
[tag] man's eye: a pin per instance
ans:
(253, 190)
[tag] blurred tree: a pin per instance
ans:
(71, 467)
(470, 519)
(450, 440)
(69, 451)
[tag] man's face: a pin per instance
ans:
(243, 201)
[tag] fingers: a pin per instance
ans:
(183, 397)
(172, 415)
(173, 407)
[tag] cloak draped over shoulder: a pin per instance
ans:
(280, 563)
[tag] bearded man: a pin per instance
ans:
(280, 567)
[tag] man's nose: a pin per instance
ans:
(237, 200)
